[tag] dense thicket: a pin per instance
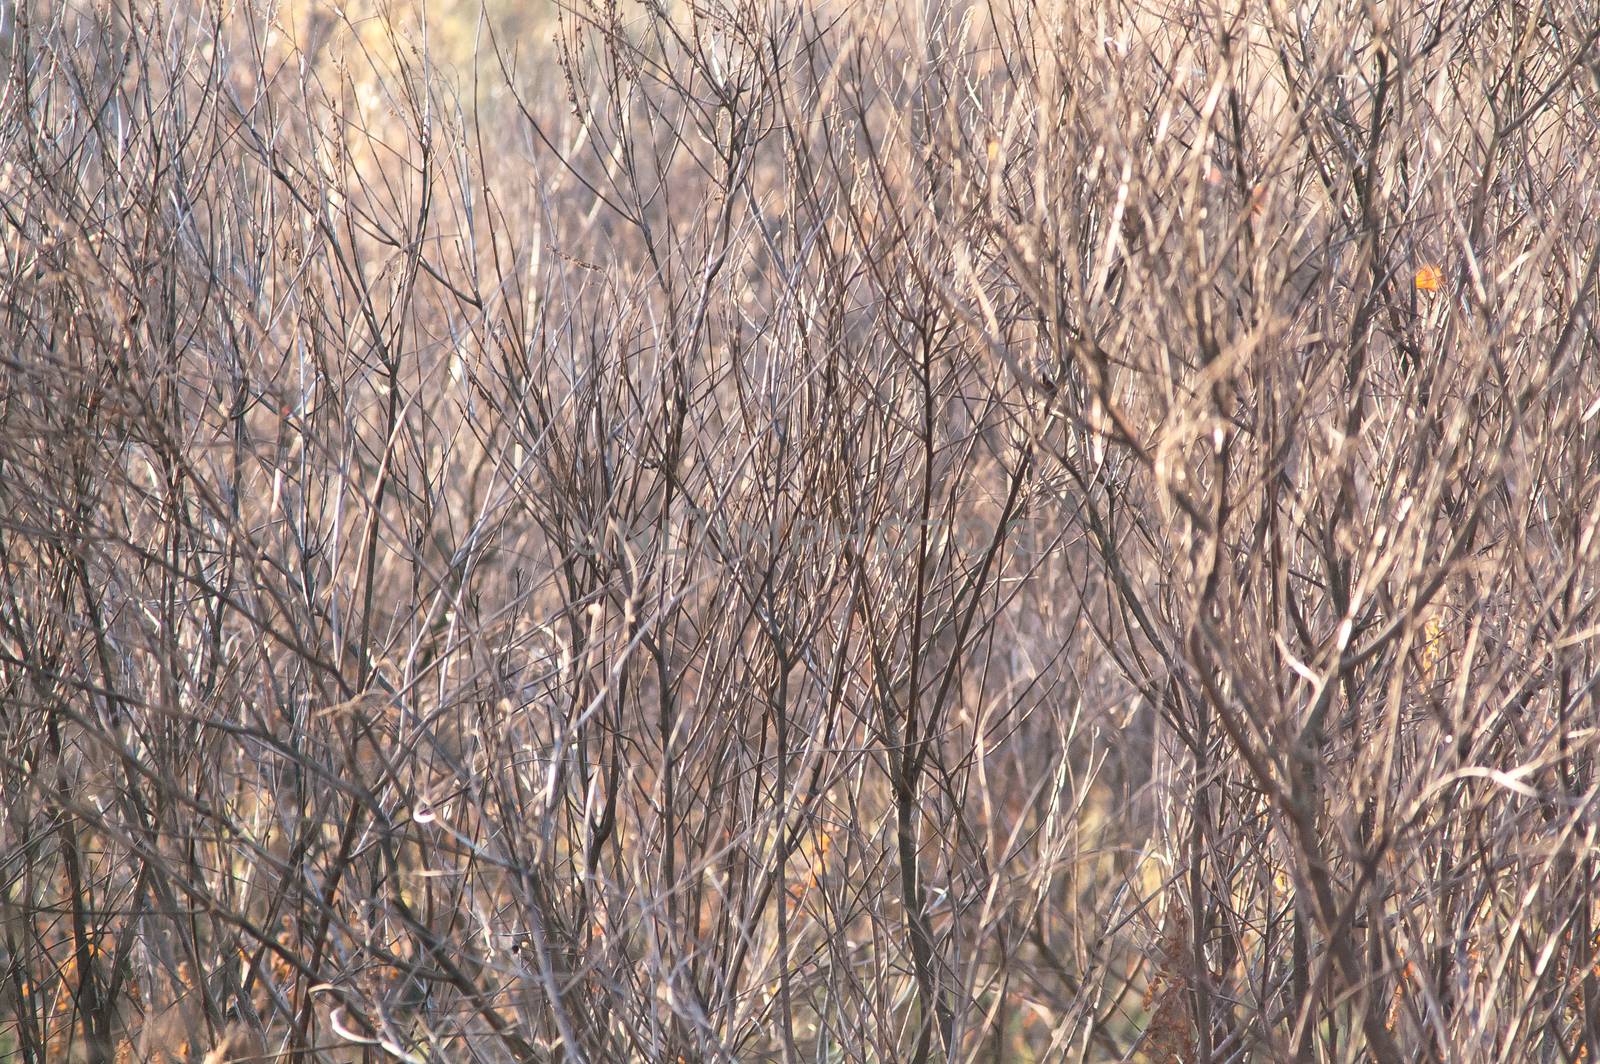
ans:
(799, 531)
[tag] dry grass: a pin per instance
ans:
(799, 532)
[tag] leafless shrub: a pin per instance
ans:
(746, 532)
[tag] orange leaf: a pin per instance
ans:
(1430, 279)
